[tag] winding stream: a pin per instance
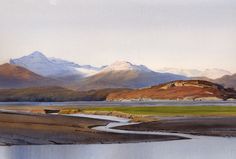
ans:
(117, 121)
(198, 147)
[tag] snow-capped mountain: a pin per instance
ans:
(63, 62)
(37, 62)
(123, 74)
(84, 70)
(40, 64)
(209, 73)
(125, 66)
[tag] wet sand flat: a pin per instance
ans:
(28, 128)
(209, 126)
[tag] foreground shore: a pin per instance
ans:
(207, 126)
(37, 129)
(32, 125)
(195, 120)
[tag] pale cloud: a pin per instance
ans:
(156, 33)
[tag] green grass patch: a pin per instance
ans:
(172, 110)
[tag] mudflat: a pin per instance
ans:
(209, 126)
(31, 128)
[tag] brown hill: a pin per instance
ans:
(12, 76)
(177, 90)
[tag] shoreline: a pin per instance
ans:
(33, 126)
(46, 129)
(199, 126)
(81, 104)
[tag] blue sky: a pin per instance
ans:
(172, 33)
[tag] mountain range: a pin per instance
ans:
(176, 90)
(121, 74)
(53, 67)
(124, 74)
(37, 69)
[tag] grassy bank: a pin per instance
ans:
(170, 110)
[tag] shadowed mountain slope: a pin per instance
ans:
(12, 76)
(228, 81)
(53, 94)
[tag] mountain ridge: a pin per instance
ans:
(13, 76)
(120, 74)
(125, 66)
(126, 75)
(52, 67)
(227, 81)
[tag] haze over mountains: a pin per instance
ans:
(44, 71)
(209, 73)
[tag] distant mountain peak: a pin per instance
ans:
(35, 56)
(52, 67)
(121, 62)
(37, 53)
(125, 66)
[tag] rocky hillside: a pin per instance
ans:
(12, 76)
(177, 90)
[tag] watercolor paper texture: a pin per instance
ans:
(120, 79)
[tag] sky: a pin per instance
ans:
(184, 34)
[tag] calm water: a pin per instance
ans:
(196, 148)
(105, 103)
(208, 148)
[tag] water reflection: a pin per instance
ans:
(133, 103)
(207, 148)
(4, 152)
